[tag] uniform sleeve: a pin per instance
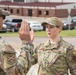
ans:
(71, 60)
(27, 57)
(24, 60)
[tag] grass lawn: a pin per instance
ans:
(68, 33)
(64, 33)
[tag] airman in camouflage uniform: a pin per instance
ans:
(9, 64)
(54, 56)
(7, 52)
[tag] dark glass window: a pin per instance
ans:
(47, 12)
(74, 6)
(11, 10)
(29, 12)
(17, 11)
(5, 9)
(40, 12)
(18, 0)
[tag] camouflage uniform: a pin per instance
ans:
(9, 63)
(53, 59)
(7, 58)
(7, 53)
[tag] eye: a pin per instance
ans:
(51, 27)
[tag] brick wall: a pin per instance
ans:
(35, 12)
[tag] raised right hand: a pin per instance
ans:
(24, 32)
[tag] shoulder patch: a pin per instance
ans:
(74, 55)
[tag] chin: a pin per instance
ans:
(49, 36)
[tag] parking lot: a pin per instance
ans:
(37, 39)
(41, 19)
(15, 27)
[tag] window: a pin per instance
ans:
(18, 0)
(17, 11)
(11, 10)
(40, 12)
(74, 6)
(16, 20)
(47, 12)
(5, 9)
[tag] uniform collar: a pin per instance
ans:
(49, 45)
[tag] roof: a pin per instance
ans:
(38, 4)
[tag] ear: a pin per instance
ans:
(60, 29)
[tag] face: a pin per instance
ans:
(1, 22)
(52, 31)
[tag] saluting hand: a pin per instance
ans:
(24, 32)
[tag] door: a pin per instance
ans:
(29, 12)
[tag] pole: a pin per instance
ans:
(62, 1)
(69, 17)
(45, 9)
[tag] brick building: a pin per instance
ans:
(39, 9)
(25, 1)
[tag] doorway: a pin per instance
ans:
(29, 12)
